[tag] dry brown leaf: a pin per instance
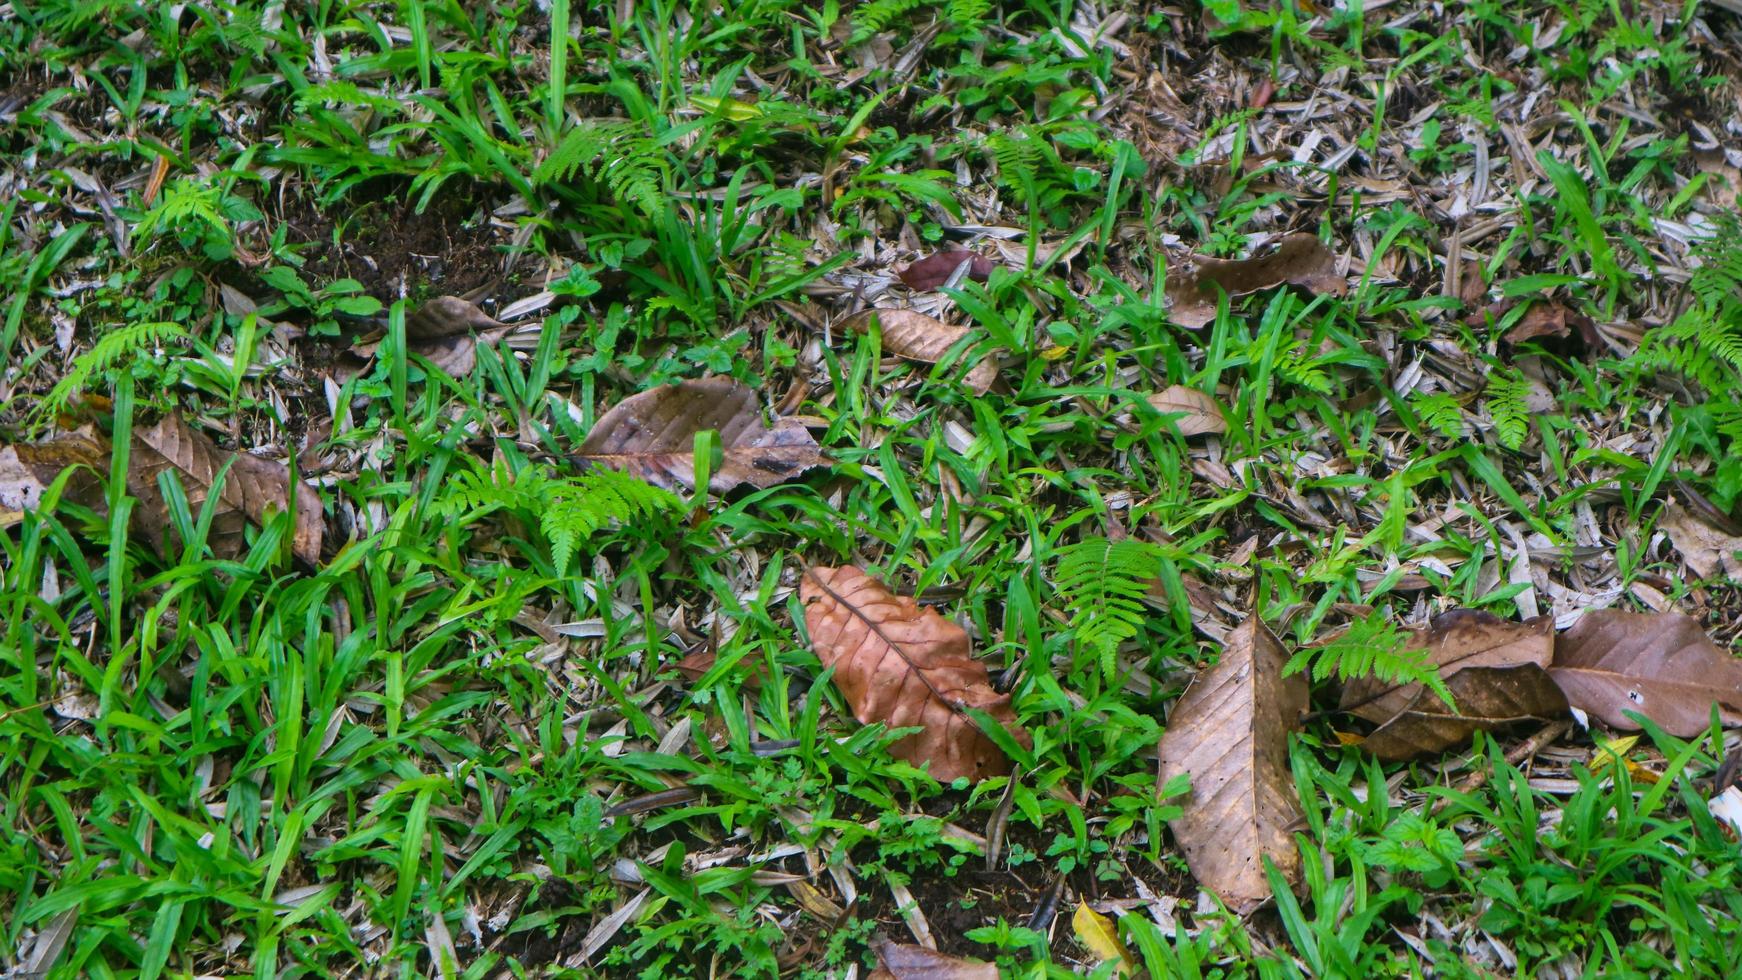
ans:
(936, 269)
(447, 329)
(253, 488)
(1708, 550)
(1299, 260)
(28, 469)
(1196, 413)
(1458, 640)
(652, 435)
(903, 961)
(1487, 698)
(917, 337)
(905, 665)
(1229, 733)
(1661, 665)
(1556, 329)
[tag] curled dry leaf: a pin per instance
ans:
(1556, 329)
(1709, 550)
(903, 961)
(1196, 413)
(1455, 641)
(1299, 260)
(936, 269)
(28, 469)
(917, 337)
(905, 666)
(1661, 665)
(253, 488)
(652, 436)
(1487, 698)
(1229, 733)
(446, 330)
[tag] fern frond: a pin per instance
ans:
(1104, 583)
(1373, 647)
(568, 510)
(1441, 413)
(105, 354)
(1506, 395)
(872, 18)
(615, 153)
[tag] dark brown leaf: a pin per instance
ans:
(902, 961)
(936, 269)
(1299, 260)
(652, 435)
(1661, 665)
(1229, 733)
(1556, 329)
(28, 469)
(918, 337)
(905, 665)
(1458, 640)
(253, 488)
(447, 329)
(1487, 698)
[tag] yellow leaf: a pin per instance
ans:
(1610, 750)
(730, 108)
(1349, 738)
(1100, 937)
(1054, 352)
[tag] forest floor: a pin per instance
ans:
(1246, 342)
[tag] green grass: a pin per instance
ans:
(439, 753)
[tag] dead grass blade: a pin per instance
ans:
(905, 666)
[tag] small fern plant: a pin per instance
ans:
(111, 350)
(1704, 344)
(1104, 583)
(568, 510)
(1506, 396)
(618, 155)
(1373, 647)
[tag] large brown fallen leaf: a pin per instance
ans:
(936, 269)
(903, 961)
(1299, 260)
(652, 435)
(1487, 698)
(1556, 328)
(1458, 640)
(1229, 733)
(253, 488)
(447, 330)
(905, 666)
(917, 337)
(1661, 665)
(1196, 413)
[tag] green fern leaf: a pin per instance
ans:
(1104, 583)
(1506, 396)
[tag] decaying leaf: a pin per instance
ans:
(917, 337)
(28, 469)
(905, 665)
(1100, 936)
(652, 435)
(936, 269)
(1709, 550)
(1196, 413)
(1487, 698)
(1458, 640)
(1299, 260)
(903, 961)
(1229, 734)
(447, 330)
(1556, 329)
(253, 488)
(1661, 665)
